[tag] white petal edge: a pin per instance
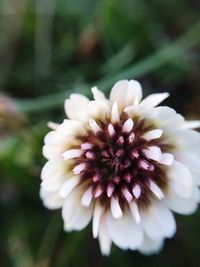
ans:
(150, 246)
(154, 100)
(158, 221)
(72, 153)
(115, 113)
(104, 238)
(87, 197)
(153, 152)
(154, 134)
(76, 107)
(51, 200)
(124, 232)
(97, 213)
(75, 216)
(68, 186)
(191, 125)
(115, 208)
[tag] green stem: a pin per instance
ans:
(167, 54)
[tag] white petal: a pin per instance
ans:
(115, 208)
(188, 141)
(76, 107)
(124, 232)
(110, 190)
(178, 172)
(98, 211)
(156, 190)
(158, 222)
(137, 191)
(181, 205)
(86, 146)
(87, 197)
(150, 246)
(51, 200)
(135, 211)
(126, 93)
(111, 129)
(97, 94)
(168, 119)
(71, 128)
(68, 186)
(115, 113)
(94, 126)
(180, 180)
(54, 138)
(167, 159)
(128, 125)
(134, 93)
(104, 238)
(154, 134)
(191, 125)
(72, 153)
(192, 162)
(52, 167)
(56, 144)
(153, 152)
(180, 188)
(128, 196)
(52, 125)
(98, 191)
(154, 100)
(53, 183)
(98, 110)
(52, 151)
(75, 216)
(79, 168)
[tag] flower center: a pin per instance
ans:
(120, 160)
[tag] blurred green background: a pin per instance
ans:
(50, 48)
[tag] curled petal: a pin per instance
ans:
(154, 100)
(76, 107)
(75, 216)
(125, 232)
(126, 93)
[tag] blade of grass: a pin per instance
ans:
(48, 242)
(163, 56)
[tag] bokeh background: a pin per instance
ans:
(50, 48)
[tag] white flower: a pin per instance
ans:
(124, 163)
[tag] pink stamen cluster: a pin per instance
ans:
(113, 161)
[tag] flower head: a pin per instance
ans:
(124, 163)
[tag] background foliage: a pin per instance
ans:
(49, 49)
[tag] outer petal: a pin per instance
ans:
(51, 200)
(180, 180)
(150, 246)
(168, 119)
(154, 100)
(191, 125)
(183, 205)
(187, 141)
(71, 128)
(124, 232)
(192, 162)
(98, 109)
(158, 222)
(76, 107)
(55, 143)
(104, 238)
(98, 95)
(126, 93)
(75, 216)
(53, 167)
